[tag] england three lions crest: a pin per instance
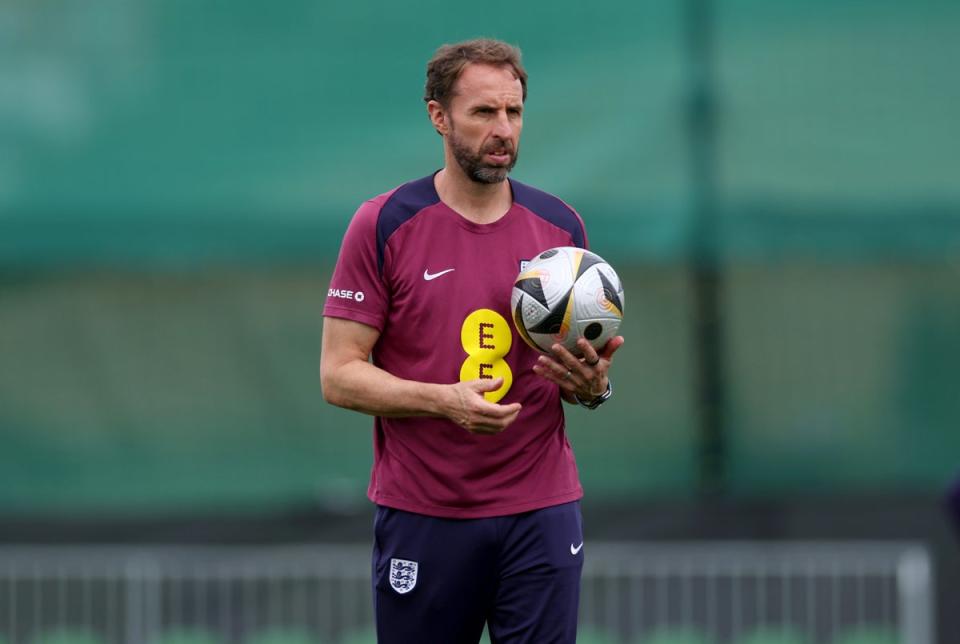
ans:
(403, 575)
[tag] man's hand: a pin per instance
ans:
(469, 409)
(585, 377)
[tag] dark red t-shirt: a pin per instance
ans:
(437, 287)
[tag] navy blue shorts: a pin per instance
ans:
(437, 581)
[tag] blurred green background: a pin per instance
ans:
(175, 178)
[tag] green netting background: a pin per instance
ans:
(175, 179)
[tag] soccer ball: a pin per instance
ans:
(567, 293)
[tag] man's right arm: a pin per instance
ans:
(349, 380)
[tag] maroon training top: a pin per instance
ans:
(437, 287)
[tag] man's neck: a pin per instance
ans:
(481, 203)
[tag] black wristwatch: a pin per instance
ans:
(599, 400)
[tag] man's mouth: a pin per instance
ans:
(499, 155)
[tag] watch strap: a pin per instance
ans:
(599, 400)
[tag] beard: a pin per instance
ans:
(473, 164)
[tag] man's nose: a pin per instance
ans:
(502, 127)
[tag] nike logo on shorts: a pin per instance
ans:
(575, 549)
(432, 276)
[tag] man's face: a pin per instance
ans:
(485, 117)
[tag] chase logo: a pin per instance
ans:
(403, 575)
(344, 294)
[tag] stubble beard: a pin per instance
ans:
(472, 163)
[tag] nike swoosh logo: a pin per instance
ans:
(575, 549)
(432, 276)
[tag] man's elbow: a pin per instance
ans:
(329, 389)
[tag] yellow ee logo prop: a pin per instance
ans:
(486, 337)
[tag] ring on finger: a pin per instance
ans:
(568, 374)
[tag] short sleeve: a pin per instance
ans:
(584, 241)
(357, 290)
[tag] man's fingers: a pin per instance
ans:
(493, 410)
(590, 356)
(585, 377)
(487, 425)
(551, 368)
(479, 416)
(486, 384)
(555, 372)
(571, 363)
(611, 347)
(564, 355)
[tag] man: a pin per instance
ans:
(477, 493)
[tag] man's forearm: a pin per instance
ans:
(363, 387)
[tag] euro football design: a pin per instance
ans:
(567, 293)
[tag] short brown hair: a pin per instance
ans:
(448, 62)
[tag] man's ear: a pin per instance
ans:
(438, 116)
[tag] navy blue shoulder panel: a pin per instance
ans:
(404, 203)
(550, 208)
